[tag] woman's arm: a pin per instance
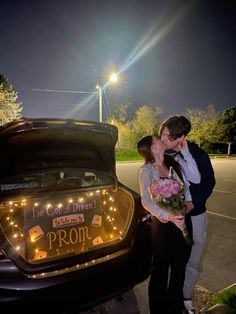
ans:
(146, 197)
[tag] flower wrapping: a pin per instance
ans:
(168, 193)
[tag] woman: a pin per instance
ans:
(170, 251)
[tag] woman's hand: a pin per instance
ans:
(188, 206)
(177, 220)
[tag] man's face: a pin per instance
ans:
(171, 143)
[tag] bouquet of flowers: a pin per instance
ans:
(168, 194)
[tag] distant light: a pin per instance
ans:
(113, 78)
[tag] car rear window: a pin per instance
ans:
(54, 180)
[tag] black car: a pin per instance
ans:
(71, 235)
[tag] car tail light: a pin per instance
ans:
(59, 225)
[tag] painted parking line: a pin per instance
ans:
(222, 216)
(222, 191)
(230, 181)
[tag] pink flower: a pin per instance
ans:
(168, 194)
(165, 188)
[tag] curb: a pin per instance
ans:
(219, 309)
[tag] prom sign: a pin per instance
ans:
(65, 227)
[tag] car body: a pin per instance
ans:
(71, 234)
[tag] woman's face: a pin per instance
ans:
(157, 145)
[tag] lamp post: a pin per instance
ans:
(113, 79)
(100, 102)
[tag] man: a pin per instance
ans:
(173, 133)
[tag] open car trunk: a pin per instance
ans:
(30, 144)
(59, 196)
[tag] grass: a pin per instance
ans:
(131, 154)
(227, 296)
(127, 154)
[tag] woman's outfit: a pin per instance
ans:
(170, 252)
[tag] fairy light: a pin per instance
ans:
(113, 222)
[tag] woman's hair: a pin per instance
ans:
(144, 150)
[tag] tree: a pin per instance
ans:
(120, 120)
(121, 113)
(10, 107)
(228, 122)
(125, 134)
(205, 125)
(145, 122)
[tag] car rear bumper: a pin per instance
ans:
(79, 289)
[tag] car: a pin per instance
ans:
(71, 234)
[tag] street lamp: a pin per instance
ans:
(99, 89)
(113, 79)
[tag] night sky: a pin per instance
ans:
(171, 54)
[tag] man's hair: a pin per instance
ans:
(177, 126)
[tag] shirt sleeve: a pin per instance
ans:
(189, 166)
(146, 197)
(187, 194)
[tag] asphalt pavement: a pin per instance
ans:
(219, 259)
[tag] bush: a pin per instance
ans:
(209, 147)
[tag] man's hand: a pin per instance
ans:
(188, 206)
(183, 145)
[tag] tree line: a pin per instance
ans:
(208, 125)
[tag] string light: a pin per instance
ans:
(19, 232)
